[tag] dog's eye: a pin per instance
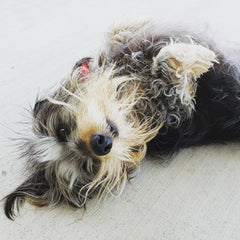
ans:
(113, 128)
(62, 132)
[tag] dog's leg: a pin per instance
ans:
(122, 33)
(125, 30)
(182, 64)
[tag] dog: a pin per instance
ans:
(150, 90)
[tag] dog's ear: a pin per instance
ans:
(80, 73)
(182, 64)
(34, 190)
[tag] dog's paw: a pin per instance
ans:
(184, 58)
(183, 63)
(123, 31)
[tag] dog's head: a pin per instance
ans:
(86, 138)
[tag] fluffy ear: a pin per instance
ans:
(182, 64)
(34, 190)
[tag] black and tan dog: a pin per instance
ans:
(150, 90)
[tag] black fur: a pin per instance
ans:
(36, 186)
(42, 189)
(217, 110)
(216, 116)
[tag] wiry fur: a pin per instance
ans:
(148, 90)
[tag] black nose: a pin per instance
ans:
(101, 144)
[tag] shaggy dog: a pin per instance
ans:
(150, 90)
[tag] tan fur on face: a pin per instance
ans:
(106, 97)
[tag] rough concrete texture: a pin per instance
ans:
(195, 196)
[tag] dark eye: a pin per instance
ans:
(113, 128)
(38, 106)
(63, 132)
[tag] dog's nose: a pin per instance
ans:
(101, 144)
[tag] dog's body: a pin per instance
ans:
(147, 90)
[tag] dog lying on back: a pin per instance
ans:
(150, 90)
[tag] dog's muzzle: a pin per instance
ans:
(101, 144)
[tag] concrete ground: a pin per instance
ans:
(195, 196)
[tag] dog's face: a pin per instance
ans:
(91, 120)
(86, 138)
